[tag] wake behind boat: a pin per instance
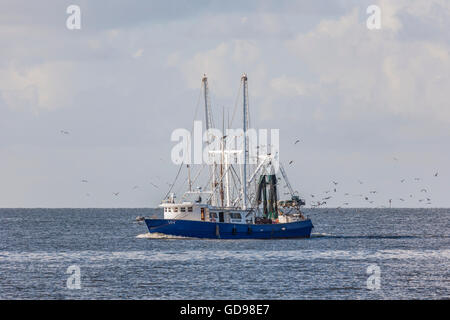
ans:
(239, 199)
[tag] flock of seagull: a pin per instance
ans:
(117, 193)
(320, 200)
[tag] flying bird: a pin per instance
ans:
(116, 193)
(360, 182)
(423, 190)
(403, 180)
(296, 141)
(335, 183)
(290, 162)
(84, 181)
(436, 174)
(64, 132)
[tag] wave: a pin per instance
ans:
(241, 255)
(156, 235)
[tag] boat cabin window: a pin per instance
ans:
(235, 215)
(175, 209)
(221, 217)
(183, 209)
(213, 216)
(189, 209)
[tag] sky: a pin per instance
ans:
(370, 107)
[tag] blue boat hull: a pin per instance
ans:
(220, 230)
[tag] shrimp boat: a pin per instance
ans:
(239, 197)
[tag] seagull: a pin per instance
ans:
(436, 174)
(64, 132)
(345, 204)
(297, 141)
(84, 181)
(423, 190)
(116, 193)
(290, 162)
(373, 191)
(335, 183)
(366, 198)
(417, 179)
(360, 182)
(403, 180)
(326, 198)
(312, 196)
(401, 199)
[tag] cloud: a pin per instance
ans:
(46, 86)
(373, 71)
(225, 63)
(133, 74)
(288, 86)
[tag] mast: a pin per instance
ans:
(244, 180)
(227, 177)
(208, 113)
(209, 124)
(222, 157)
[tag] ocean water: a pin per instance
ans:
(118, 260)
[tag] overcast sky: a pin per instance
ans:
(356, 98)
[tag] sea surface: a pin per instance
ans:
(117, 258)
